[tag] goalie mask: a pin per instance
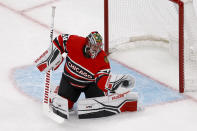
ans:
(94, 44)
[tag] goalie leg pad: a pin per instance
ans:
(107, 105)
(132, 102)
(59, 106)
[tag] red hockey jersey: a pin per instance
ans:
(79, 69)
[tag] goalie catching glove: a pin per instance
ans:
(119, 83)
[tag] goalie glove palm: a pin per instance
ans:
(118, 83)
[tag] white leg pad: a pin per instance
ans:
(60, 106)
(107, 105)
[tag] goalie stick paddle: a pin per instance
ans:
(47, 89)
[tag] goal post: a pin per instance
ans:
(170, 22)
(187, 42)
(106, 26)
(181, 43)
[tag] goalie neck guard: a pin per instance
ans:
(94, 43)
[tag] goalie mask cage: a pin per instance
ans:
(172, 23)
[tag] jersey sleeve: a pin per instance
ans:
(61, 42)
(102, 79)
(102, 75)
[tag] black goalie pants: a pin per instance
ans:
(72, 93)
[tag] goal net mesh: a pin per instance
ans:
(132, 22)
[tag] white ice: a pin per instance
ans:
(25, 34)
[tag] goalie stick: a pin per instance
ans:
(47, 89)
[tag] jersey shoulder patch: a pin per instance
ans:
(103, 57)
(106, 59)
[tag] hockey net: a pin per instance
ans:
(169, 24)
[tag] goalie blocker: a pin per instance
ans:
(51, 59)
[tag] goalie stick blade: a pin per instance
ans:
(52, 115)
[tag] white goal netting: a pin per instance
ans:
(134, 22)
